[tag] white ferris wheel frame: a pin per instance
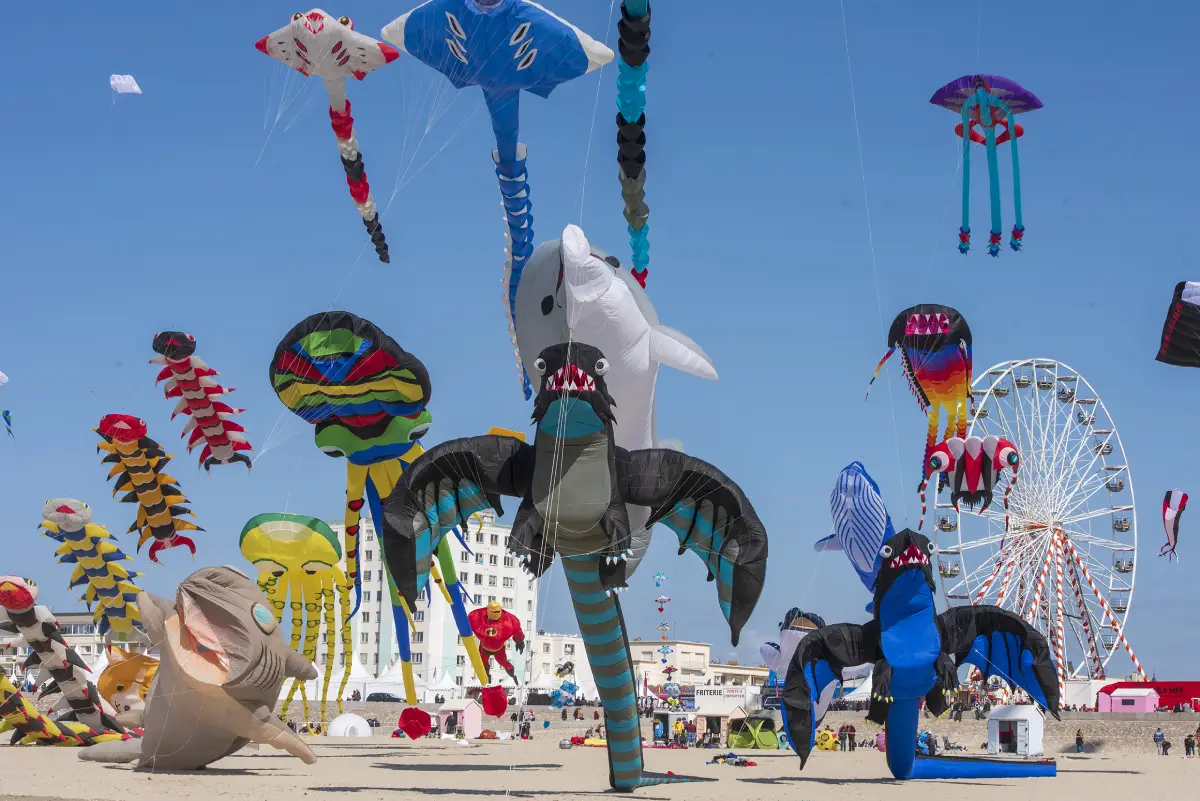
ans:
(1072, 585)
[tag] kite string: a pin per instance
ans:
(871, 244)
(592, 128)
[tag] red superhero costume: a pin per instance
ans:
(493, 627)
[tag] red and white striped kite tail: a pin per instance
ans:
(1060, 634)
(1011, 484)
(356, 178)
(1108, 613)
(921, 490)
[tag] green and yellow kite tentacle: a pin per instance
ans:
(328, 605)
(458, 607)
(28, 725)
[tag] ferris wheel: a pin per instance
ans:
(1067, 559)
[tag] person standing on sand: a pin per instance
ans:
(1159, 739)
(1189, 746)
(1079, 741)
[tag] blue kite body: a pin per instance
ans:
(916, 655)
(504, 47)
(861, 523)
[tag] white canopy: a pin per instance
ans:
(545, 682)
(862, 692)
(445, 684)
(392, 681)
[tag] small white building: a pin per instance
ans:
(1015, 729)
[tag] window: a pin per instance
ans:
(493, 559)
(479, 535)
(364, 638)
(366, 617)
(419, 616)
(492, 579)
(506, 602)
(479, 559)
(477, 599)
(529, 605)
(545, 648)
(530, 585)
(569, 649)
(375, 659)
(510, 582)
(325, 638)
(458, 640)
(464, 557)
(463, 576)
(495, 539)
(379, 595)
(362, 658)
(341, 660)
(418, 658)
(366, 556)
(509, 561)
(491, 598)
(478, 578)
(85, 649)
(423, 595)
(377, 638)
(418, 636)
(370, 535)
(366, 575)
(1128, 702)
(647, 656)
(458, 680)
(460, 660)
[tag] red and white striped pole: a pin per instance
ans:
(1084, 616)
(1112, 618)
(1058, 617)
(1000, 562)
(1041, 583)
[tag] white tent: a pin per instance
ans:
(545, 682)
(862, 692)
(1015, 729)
(446, 685)
(392, 681)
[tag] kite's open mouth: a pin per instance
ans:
(570, 378)
(913, 555)
(922, 325)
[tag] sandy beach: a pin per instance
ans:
(400, 769)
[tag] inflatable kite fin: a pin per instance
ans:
(1001, 643)
(669, 347)
(814, 673)
(712, 517)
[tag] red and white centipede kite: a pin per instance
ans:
(192, 381)
(328, 47)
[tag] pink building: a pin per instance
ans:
(1128, 699)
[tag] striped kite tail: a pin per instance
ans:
(356, 178)
(31, 726)
(607, 646)
(634, 46)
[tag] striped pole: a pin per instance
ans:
(1093, 653)
(1112, 618)
(1041, 583)
(1000, 562)
(1058, 613)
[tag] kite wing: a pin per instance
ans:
(1002, 644)
(814, 671)
(1173, 505)
(712, 517)
(1181, 330)
(440, 490)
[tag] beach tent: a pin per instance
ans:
(445, 686)
(392, 681)
(758, 730)
(860, 693)
(349, 725)
(1015, 729)
(466, 714)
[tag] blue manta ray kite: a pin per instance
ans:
(503, 47)
(916, 654)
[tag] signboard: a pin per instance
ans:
(719, 700)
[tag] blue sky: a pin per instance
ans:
(199, 206)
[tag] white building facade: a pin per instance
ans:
(486, 572)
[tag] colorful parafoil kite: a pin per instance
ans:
(573, 291)
(1181, 330)
(319, 44)
(987, 101)
(659, 578)
(633, 45)
(974, 465)
(193, 382)
(297, 558)
(1174, 503)
(138, 463)
(935, 351)
(366, 398)
(574, 506)
(504, 47)
(111, 594)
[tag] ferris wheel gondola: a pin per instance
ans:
(1066, 560)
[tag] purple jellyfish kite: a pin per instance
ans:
(986, 101)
